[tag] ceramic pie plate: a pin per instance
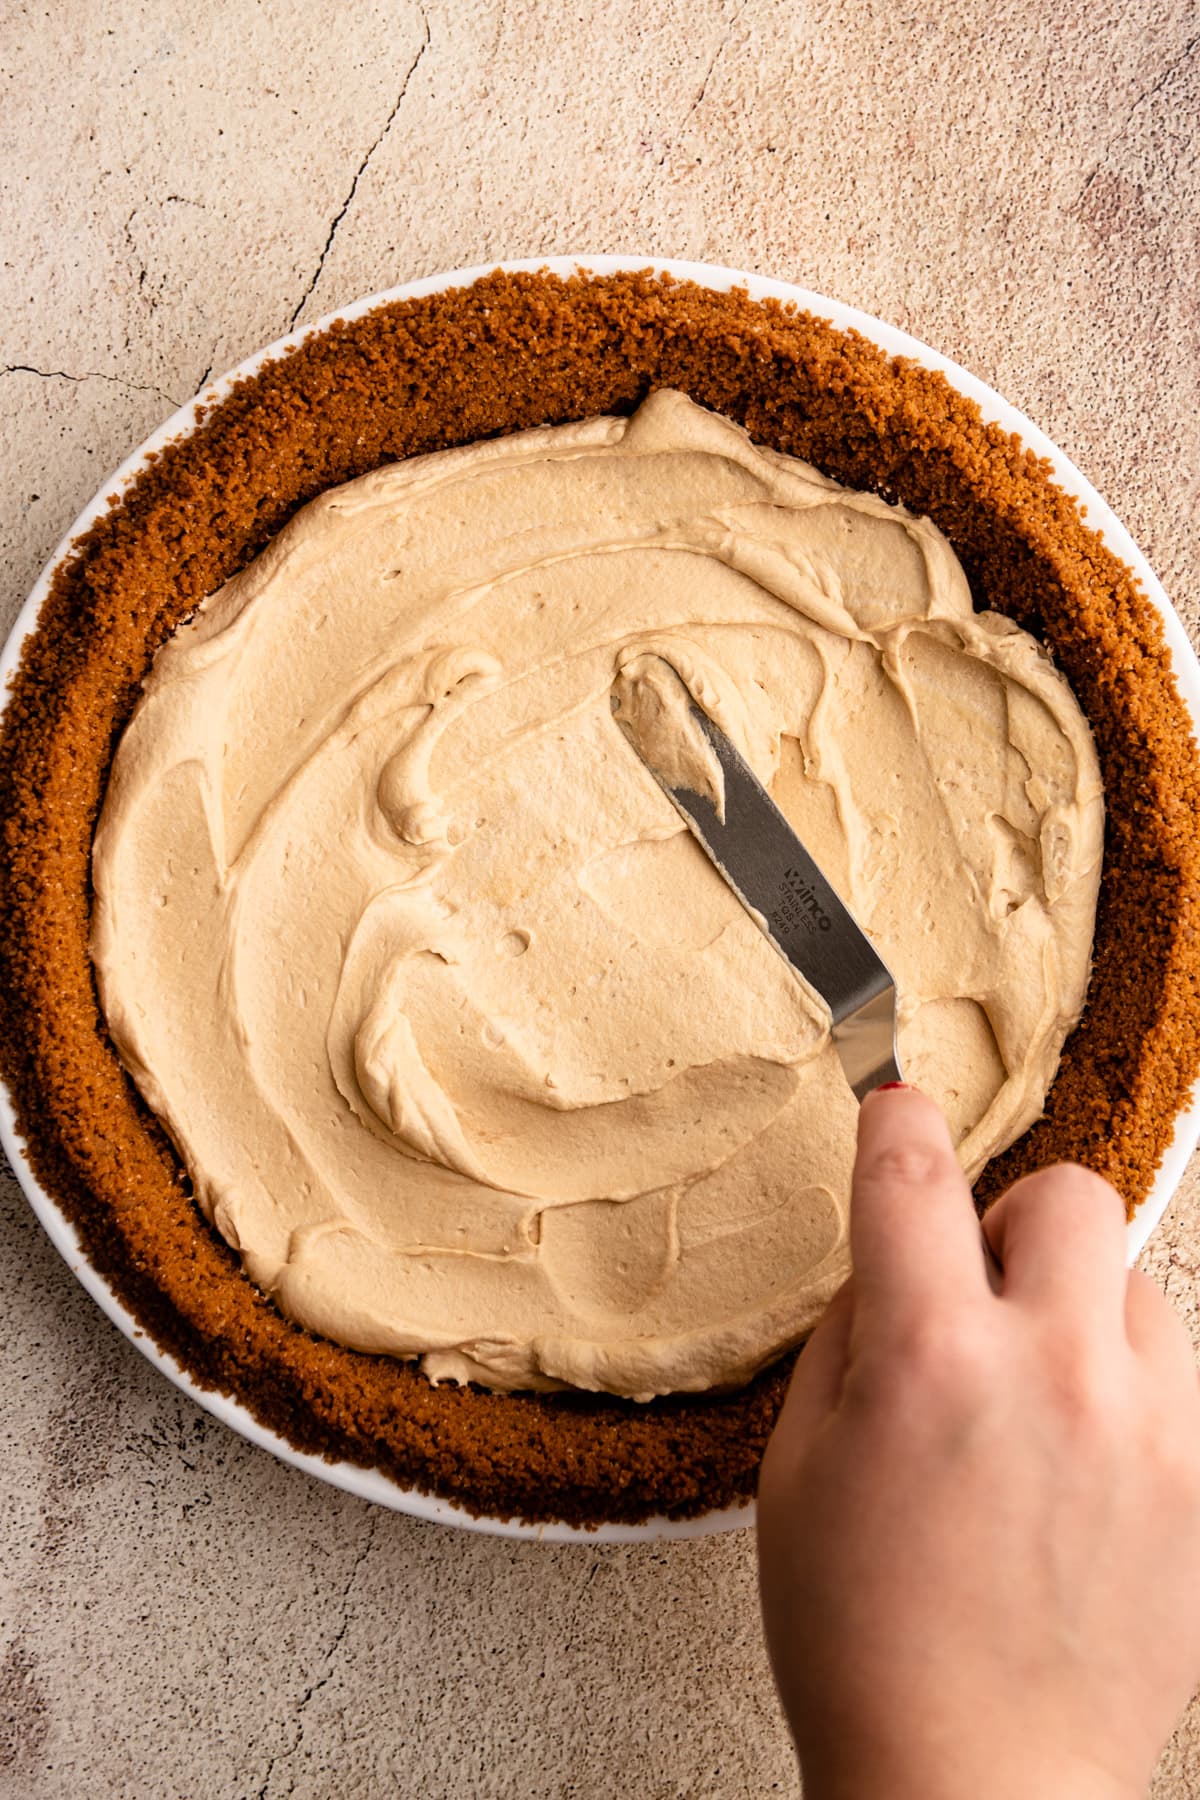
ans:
(371, 1484)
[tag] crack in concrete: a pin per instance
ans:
(1155, 87)
(1176, 62)
(704, 81)
(135, 387)
(713, 60)
(138, 261)
(358, 175)
(208, 368)
(668, 144)
(314, 1687)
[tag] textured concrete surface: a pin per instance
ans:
(179, 1616)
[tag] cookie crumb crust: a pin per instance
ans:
(509, 352)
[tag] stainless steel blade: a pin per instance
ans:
(783, 889)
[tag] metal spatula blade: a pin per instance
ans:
(755, 850)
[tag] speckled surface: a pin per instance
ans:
(179, 1615)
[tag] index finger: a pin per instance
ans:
(914, 1235)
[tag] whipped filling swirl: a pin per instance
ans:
(469, 1052)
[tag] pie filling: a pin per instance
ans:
(469, 1053)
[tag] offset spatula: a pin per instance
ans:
(753, 847)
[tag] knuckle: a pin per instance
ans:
(1065, 1210)
(946, 1352)
(1084, 1187)
(1085, 1390)
(905, 1165)
(1064, 1186)
(1170, 1421)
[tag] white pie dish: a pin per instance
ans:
(371, 1484)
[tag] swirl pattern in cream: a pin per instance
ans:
(468, 1051)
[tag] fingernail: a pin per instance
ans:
(887, 1087)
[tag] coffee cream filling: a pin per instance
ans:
(469, 1052)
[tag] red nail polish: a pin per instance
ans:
(886, 1087)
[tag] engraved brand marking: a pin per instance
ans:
(798, 905)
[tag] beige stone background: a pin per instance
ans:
(1017, 185)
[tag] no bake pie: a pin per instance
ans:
(368, 713)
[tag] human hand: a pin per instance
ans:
(979, 1513)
